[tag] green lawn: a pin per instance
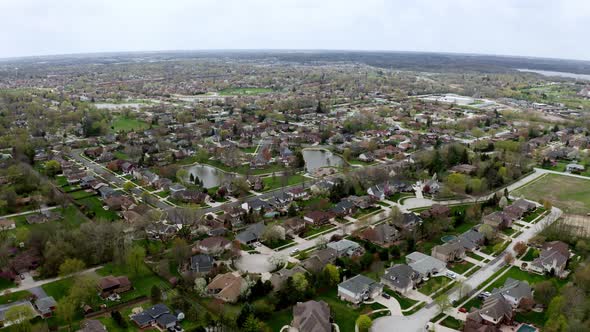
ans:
(570, 194)
(530, 255)
(128, 124)
(461, 267)
(142, 283)
(475, 256)
(61, 181)
(79, 194)
(5, 284)
(280, 243)
(344, 314)
(94, 204)
(121, 155)
(533, 215)
(532, 317)
(279, 319)
(531, 278)
(433, 285)
(275, 182)
(12, 297)
(452, 323)
(243, 91)
(311, 231)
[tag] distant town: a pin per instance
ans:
(284, 192)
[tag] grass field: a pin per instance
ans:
(570, 194)
(94, 204)
(531, 278)
(243, 91)
(461, 267)
(404, 302)
(128, 124)
(433, 284)
(277, 181)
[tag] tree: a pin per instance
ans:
(70, 266)
(508, 258)
(547, 205)
(503, 202)
(180, 250)
(520, 248)
(544, 292)
(135, 260)
(364, 323)
(488, 231)
(300, 282)
(332, 274)
(52, 167)
(443, 302)
(200, 286)
(20, 315)
(274, 233)
(252, 324)
(278, 260)
(156, 294)
(83, 291)
(128, 185)
(66, 309)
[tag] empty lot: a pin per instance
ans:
(570, 194)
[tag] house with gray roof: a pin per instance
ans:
(552, 260)
(514, 291)
(312, 316)
(251, 234)
(401, 278)
(201, 263)
(449, 252)
(346, 247)
(359, 289)
(425, 265)
(495, 310)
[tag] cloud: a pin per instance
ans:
(544, 28)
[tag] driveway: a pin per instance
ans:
(391, 304)
(254, 263)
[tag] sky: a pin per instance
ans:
(541, 28)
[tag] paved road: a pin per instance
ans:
(29, 283)
(28, 212)
(418, 321)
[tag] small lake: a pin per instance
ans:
(211, 176)
(557, 73)
(316, 158)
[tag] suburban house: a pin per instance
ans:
(383, 235)
(409, 220)
(514, 291)
(401, 278)
(436, 211)
(425, 265)
(251, 234)
(278, 279)
(552, 260)
(213, 245)
(494, 312)
(297, 193)
(45, 306)
(226, 287)
(201, 263)
(157, 316)
(318, 260)
(294, 226)
(318, 218)
(449, 252)
(113, 285)
(346, 247)
(256, 205)
(312, 316)
(499, 220)
(470, 240)
(343, 208)
(359, 289)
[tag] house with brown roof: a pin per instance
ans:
(312, 316)
(449, 252)
(113, 285)
(383, 235)
(213, 245)
(226, 287)
(318, 218)
(294, 225)
(552, 260)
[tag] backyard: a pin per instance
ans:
(125, 124)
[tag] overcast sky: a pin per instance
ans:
(543, 28)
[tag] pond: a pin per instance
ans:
(211, 176)
(557, 73)
(318, 158)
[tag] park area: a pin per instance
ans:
(568, 193)
(128, 124)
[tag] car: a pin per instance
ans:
(463, 310)
(294, 251)
(451, 275)
(386, 296)
(22, 277)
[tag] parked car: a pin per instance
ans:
(385, 295)
(462, 310)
